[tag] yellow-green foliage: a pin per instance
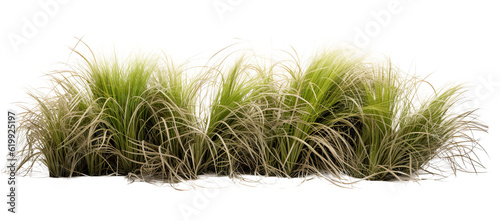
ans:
(336, 116)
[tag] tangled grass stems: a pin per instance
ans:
(398, 138)
(339, 115)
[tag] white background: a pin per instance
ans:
(455, 41)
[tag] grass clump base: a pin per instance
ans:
(335, 116)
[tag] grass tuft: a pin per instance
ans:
(337, 115)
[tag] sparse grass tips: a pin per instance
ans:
(335, 116)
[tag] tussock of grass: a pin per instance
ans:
(337, 115)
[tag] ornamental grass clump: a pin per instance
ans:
(234, 122)
(400, 134)
(336, 116)
(323, 98)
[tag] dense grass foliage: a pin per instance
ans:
(335, 116)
